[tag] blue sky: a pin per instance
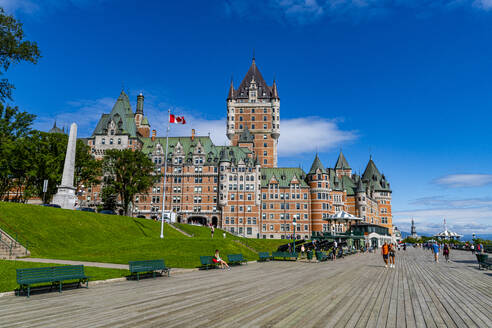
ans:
(405, 81)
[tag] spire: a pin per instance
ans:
(224, 155)
(54, 125)
(360, 187)
(342, 162)
(246, 136)
(274, 90)
(316, 165)
(371, 170)
(231, 90)
(140, 102)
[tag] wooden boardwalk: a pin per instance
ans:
(353, 292)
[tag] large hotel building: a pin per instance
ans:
(240, 187)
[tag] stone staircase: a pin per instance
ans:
(10, 249)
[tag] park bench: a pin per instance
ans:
(321, 257)
(236, 259)
(483, 261)
(138, 267)
(284, 256)
(55, 275)
(207, 262)
(263, 256)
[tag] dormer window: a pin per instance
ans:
(103, 141)
(112, 132)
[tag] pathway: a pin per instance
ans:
(353, 292)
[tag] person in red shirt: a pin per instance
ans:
(384, 252)
(220, 261)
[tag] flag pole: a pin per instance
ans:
(165, 174)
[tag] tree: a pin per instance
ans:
(14, 125)
(109, 198)
(13, 49)
(87, 168)
(128, 173)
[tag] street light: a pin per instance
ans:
(294, 223)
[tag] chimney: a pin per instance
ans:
(140, 101)
(192, 134)
(153, 135)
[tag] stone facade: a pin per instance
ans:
(239, 187)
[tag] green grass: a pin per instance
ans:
(84, 236)
(8, 274)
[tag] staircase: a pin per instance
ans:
(10, 249)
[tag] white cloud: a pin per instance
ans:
(464, 180)
(483, 4)
(86, 113)
(311, 134)
(464, 216)
(308, 11)
(34, 6)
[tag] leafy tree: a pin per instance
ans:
(13, 49)
(128, 173)
(109, 198)
(14, 125)
(87, 169)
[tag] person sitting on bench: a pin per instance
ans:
(219, 261)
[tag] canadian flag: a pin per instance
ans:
(176, 119)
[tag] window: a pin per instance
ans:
(265, 161)
(119, 141)
(264, 118)
(240, 118)
(252, 126)
(111, 141)
(249, 230)
(252, 118)
(240, 126)
(264, 136)
(265, 126)
(103, 141)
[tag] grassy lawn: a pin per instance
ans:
(75, 235)
(8, 281)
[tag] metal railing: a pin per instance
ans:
(14, 239)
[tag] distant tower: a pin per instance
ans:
(143, 126)
(254, 108)
(413, 232)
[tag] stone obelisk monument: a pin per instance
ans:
(65, 197)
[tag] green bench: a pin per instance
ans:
(236, 259)
(207, 262)
(483, 261)
(263, 256)
(321, 257)
(55, 275)
(138, 267)
(284, 256)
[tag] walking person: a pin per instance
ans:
(392, 255)
(445, 252)
(302, 250)
(220, 261)
(435, 250)
(335, 250)
(212, 231)
(384, 252)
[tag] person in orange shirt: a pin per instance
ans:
(384, 252)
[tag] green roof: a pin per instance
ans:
(145, 121)
(189, 148)
(123, 117)
(283, 175)
(342, 162)
(316, 165)
(374, 178)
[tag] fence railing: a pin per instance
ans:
(12, 240)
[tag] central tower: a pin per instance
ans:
(254, 108)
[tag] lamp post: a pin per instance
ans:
(294, 223)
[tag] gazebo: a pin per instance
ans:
(338, 220)
(446, 234)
